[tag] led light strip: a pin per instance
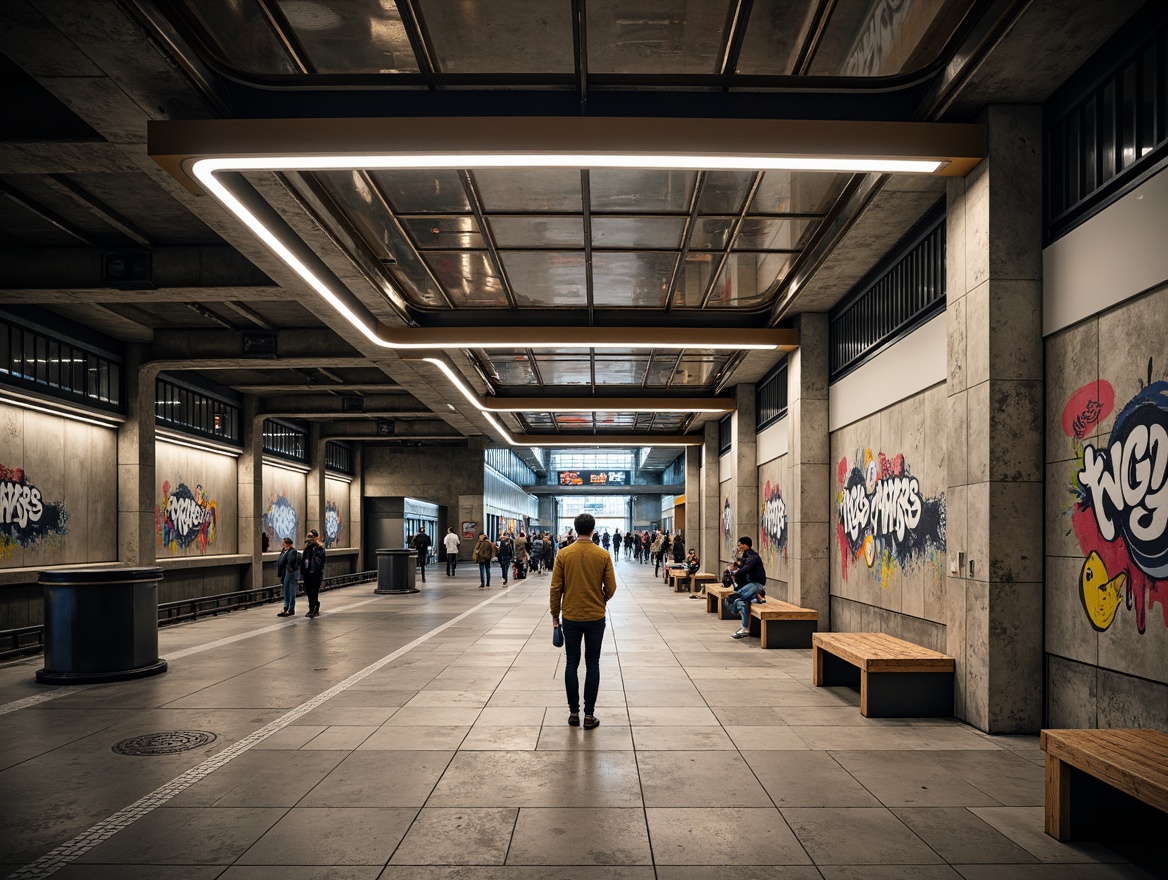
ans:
(62, 412)
(182, 440)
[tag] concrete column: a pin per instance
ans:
(710, 504)
(995, 397)
(356, 503)
(809, 450)
(693, 497)
(136, 465)
(316, 494)
(250, 492)
(745, 482)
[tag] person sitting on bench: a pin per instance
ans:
(750, 578)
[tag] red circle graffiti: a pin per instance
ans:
(1087, 407)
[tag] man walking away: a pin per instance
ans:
(506, 554)
(537, 554)
(451, 542)
(583, 582)
(312, 567)
(421, 544)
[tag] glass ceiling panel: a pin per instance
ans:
(631, 279)
(620, 371)
(744, 278)
(517, 36)
(661, 369)
(529, 190)
(468, 277)
(669, 421)
(376, 228)
(774, 35)
(614, 420)
(772, 233)
(695, 276)
(656, 36)
(547, 278)
(513, 368)
(564, 371)
(446, 232)
(538, 231)
(881, 38)
(351, 36)
(699, 369)
(241, 34)
(637, 232)
(423, 192)
(539, 419)
(640, 190)
(795, 192)
(724, 192)
(711, 233)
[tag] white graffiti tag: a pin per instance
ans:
(20, 504)
(894, 507)
(774, 517)
(186, 514)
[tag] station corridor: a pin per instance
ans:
(425, 736)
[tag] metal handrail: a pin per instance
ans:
(31, 639)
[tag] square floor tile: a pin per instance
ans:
(330, 836)
(515, 716)
(606, 737)
(500, 738)
(910, 779)
(857, 836)
(1008, 778)
(260, 779)
(457, 836)
(415, 737)
(539, 779)
(433, 716)
(699, 779)
(346, 738)
(672, 716)
(659, 738)
(807, 779)
(960, 837)
(1025, 826)
(719, 837)
(580, 837)
(774, 738)
(187, 836)
(380, 779)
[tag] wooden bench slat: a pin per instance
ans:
(878, 652)
(775, 609)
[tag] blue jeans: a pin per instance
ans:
(592, 632)
(485, 573)
(290, 584)
(505, 564)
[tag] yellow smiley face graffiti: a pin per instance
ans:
(1099, 594)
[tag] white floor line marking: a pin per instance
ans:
(72, 850)
(227, 640)
(35, 699)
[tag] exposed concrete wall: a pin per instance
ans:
(995, 388)
(745, 438)
(888, 531)
(1106, 589)
(773, 538)
(711, 509)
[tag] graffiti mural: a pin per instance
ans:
(884, 520)
(25, 518)
(1120, 510)
(280, 518)
(773, 524)
(185, 517)
(332, 523)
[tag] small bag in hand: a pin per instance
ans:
(557, 637)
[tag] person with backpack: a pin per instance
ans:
(288, 570)
(312, 570)
(537, 554)
(750, 584)
(521, 557)
(506, 553)
(484, 552)
(421, 543)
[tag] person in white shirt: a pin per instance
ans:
(451, 542)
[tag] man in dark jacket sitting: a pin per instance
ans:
(750, 578)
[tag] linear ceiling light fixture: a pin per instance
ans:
(202, 153)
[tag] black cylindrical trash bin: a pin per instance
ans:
(396, 571)
(101, 624)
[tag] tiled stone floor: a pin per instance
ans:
(453, 759)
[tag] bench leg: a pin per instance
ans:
(711, 603)
(906, 694)
(830, 671)
(1058, 798)
(787, 633)
(722, 613)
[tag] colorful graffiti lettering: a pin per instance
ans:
(332, 523)
(185, 517)
(280, 518)
(773, 522)
(25, 518)
(884, 518)
(1120, 512)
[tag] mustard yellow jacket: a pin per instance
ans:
(583, 580)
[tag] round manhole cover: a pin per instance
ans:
(166, 743)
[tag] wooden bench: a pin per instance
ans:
(715, 594)
(783, 625)
(677, 577)
(699, 580)
(1134, 762)
(897, 679)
